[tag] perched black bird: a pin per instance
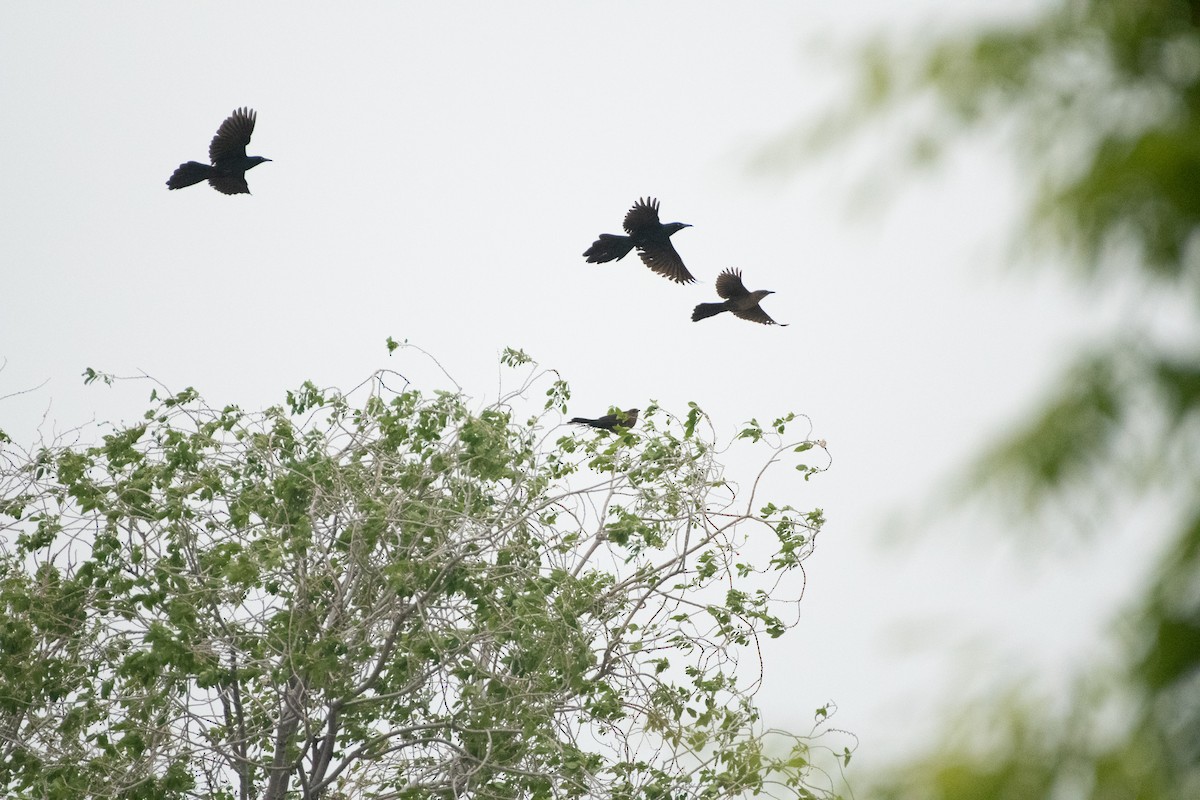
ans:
(742, 303)
(623, 419)
(650, 237)
(227, 152)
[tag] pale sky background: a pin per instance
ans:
(438, 168)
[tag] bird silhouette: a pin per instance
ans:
(651, 238)
(624, 419)
(227, 152)
(742, 303)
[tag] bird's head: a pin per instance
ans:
(254, 161)
(672, 227)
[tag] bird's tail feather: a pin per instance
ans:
(609, 247)
(582, 421)
(706, 310)
(188, 174)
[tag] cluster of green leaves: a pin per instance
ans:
(395, 597)
(1101, 101)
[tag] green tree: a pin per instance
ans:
(393, 596)
(1101, 100)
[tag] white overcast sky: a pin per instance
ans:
(438, 168)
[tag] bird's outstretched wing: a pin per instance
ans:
(663, 259)
(730, 286)
(756, 314)
(232, 138)
(230, 184)
(643, 215)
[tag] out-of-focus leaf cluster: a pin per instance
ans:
(1100, 102)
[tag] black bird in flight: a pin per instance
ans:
(624, 419)
(742, 303)
(651, 238)
(227, 152)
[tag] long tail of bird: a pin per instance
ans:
(190, 173)
(609, 247)
(706, 310)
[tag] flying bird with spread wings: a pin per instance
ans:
(227, 152)
(651, 238)
(738, 299)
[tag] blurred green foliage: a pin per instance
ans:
(1101, 102)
